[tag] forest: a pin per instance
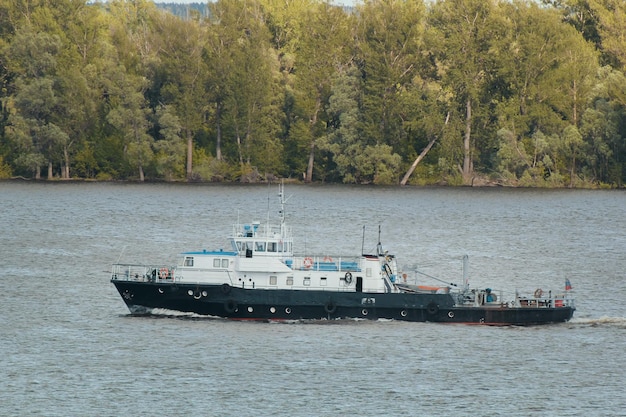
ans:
(454, 92)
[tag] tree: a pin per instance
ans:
(32, 123)
(129, 116)
(319, 48)
(249, 107)
(171, 148)
(468, 32)
(181, 65)
(344, 111)
(390, 40)
(548, 71)
(601, 22)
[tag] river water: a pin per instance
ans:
(69, 347)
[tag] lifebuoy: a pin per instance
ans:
(163, 273)
(308, 262)
(432, 308)
(328, 259)
(330, 307)
(230, 306)
(348, 277)
(538, 293)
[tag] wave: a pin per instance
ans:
(165, 313)
(604, 321)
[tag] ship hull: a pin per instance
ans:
(258, 304)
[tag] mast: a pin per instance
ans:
(281, 212)
(363, 242)
(281, 198)
(380, 245)
(465, 273)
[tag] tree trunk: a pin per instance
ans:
(422, 155)
(417, 161)
(572, 171)
(189, 155)
(66, 168)
(467, 157)
(309, 169)
(218, 141)
(49, 170)
(141, 177)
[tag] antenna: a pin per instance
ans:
(121, 253)
(465, 272)
(380, 245)
(283, 202)
(363, 242)
(268, 205)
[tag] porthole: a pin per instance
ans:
(364, 312)
(272, 310)
(250, 309)
(190, 292)
(403, 313)
(288, 310)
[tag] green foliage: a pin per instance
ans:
(5, 170)
(451, 91)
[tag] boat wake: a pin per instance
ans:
(604, 321)
(172, 314)
(163, 313)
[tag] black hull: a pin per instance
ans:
(253, 304)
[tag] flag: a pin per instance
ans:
(568, 285)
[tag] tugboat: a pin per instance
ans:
(260, 278)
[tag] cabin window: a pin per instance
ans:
(273, 280)
(307, 281)
(216, 263)
(323, 281)
(289, 280)
(189, 261)
(224, 263)
(271, 246)
(260, 246)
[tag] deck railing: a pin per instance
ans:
(323, 263)
(144, 273)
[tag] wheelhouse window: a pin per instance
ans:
(273, 280)
(259, 246)
(289, 280)
(188, 260)
(271, 246)
(224, 263)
